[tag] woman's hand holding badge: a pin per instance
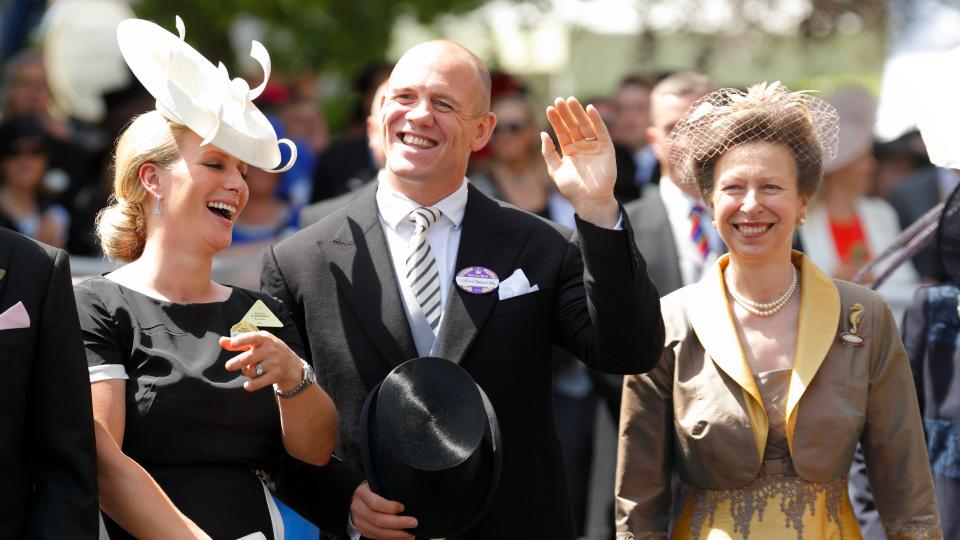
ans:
(265, 360)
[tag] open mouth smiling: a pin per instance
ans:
(222, 209)
(416, 141)
(753, 229)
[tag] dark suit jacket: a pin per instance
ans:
(344, 166)
(313, 213)
(595, 300)
(626, 188)
(911, 198)
(654, 237)
(48, 481)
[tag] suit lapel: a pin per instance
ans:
(484, 241)
(360, 261)
(5, 251)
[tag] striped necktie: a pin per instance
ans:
(697, 234)
(422, 274)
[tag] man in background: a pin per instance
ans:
(630, 122)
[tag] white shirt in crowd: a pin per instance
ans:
(678, 206)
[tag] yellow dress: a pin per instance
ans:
(778, 504)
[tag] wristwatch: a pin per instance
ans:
(309, 377)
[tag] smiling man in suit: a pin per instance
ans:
(48, 476)
(375, 284)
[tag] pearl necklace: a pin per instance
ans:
(769, 308)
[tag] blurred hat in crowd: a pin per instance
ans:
(81, 56)
(23, 134)
(939, 110)
(857, 110)
(429, 438)
(190, 91)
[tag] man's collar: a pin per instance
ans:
(394, 206)
(672, 194)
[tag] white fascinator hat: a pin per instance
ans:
(193, 92)
(939, 114)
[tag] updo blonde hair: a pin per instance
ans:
(121, 226)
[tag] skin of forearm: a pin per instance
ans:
(133, 499)
(309, 425)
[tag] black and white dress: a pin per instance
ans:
(189, 422)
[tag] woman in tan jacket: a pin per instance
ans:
(772, 371)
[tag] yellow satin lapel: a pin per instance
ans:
(709, 314)
(816, 331)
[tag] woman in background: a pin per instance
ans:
(24, 162)
(845, 228)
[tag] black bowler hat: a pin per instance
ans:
(429, 439)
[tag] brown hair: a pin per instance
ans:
(762, 124)
(121, 226)
(805, 125)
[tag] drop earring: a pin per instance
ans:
(156, 207)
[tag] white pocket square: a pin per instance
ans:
(15, 317)
(515, 285)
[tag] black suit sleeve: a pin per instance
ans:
(617, 327)
(320, 494)
(273, 283)
(63, 451)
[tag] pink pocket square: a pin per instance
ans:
(15, 317)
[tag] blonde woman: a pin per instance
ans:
(196, 386)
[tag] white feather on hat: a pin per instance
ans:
(190, 91)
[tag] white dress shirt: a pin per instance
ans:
(679, 205)
(444, 239)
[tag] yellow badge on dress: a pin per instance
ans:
(261, 316)
(242, 327)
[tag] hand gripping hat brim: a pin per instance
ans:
(193, 92)
(429, 439)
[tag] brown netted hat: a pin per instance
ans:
(765, 112)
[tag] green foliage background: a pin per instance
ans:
(338, 36)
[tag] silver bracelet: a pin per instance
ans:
(309, 377)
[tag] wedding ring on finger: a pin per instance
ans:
(589, 138)
(258, 369)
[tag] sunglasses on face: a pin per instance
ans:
(510, 127)
(25, 150)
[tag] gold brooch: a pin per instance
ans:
(851, 336)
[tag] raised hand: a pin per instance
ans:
(587, 170)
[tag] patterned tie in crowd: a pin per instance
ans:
(697, 234)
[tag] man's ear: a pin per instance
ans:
(149, 175)
(484, 130)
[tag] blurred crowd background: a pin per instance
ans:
(65, 95)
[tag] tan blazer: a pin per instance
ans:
(700, 413)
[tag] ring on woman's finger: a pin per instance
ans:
(258, 369)
(589, 138)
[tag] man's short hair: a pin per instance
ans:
(684, 83)
(637, 79)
